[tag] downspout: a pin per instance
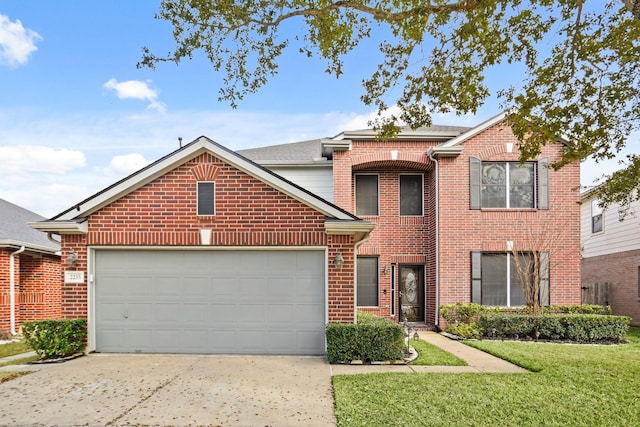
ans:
(12, 289)
(437, 284)
(355, 276)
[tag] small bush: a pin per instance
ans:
(462, 319)
(371, 339)
(53, 339)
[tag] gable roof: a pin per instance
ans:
(73, 220)
(15, 233)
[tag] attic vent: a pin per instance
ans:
(205, 172)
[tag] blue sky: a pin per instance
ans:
(77, 115)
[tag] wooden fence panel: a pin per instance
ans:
(596, 293)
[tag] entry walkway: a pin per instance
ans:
(478, 361)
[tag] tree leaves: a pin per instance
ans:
(581, 60)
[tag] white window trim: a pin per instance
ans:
(596, 210)
(508, 185)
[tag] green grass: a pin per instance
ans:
(14, 348)
(431, 355)
(574, 385)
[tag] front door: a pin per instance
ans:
(411, 295)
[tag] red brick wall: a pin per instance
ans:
(463, 230)
(5, 284)
(395, 240)
(37, 288)
(412, 241)
(248, 213)
(622, 271)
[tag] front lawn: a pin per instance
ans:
(429, 354)
(573, 385)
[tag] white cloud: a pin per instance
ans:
(37, 158)
(16, 42)
(136, 89)
(126, 164)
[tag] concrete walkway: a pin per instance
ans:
(478, 361)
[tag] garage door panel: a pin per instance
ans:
(251, 301)
(309, 314)
(167, 313)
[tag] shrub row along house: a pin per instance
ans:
(210, 250)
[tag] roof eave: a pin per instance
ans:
(61, 227)
(359, 229)
(16, 244)
(441, 151)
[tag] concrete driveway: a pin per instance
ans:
(172, 390)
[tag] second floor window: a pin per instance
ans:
(366, 195)
(206, 198)
(411, 195)
(509, 185)
(596, 217)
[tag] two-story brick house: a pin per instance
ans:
(449, 205)
(209, 250)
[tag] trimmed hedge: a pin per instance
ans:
(579, 323)
(371, 339)
(52, 339)
(583, 328)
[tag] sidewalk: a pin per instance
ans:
(478, 361)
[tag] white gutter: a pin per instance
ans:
(437, 198)
(12, 289)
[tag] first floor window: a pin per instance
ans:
(206, 198)
(497, 278)
(367, 281)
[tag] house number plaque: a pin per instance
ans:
(74, 277)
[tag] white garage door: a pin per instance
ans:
(235, 302)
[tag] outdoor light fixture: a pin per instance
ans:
(416, 336)
(338, 261)
(72, 259)
(508, 147)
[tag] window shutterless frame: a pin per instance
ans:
(367, 194)
(411, 194)
(206, 198)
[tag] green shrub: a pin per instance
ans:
(462, 319)
(583, 328)
(56, 338)
(371, 339)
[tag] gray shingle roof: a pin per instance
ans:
(311, 151)
(14, 228)
(303, 152)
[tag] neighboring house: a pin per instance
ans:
(449, 204)
(208, 251)
(611, 254)
(30, 282)
(204, 251)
